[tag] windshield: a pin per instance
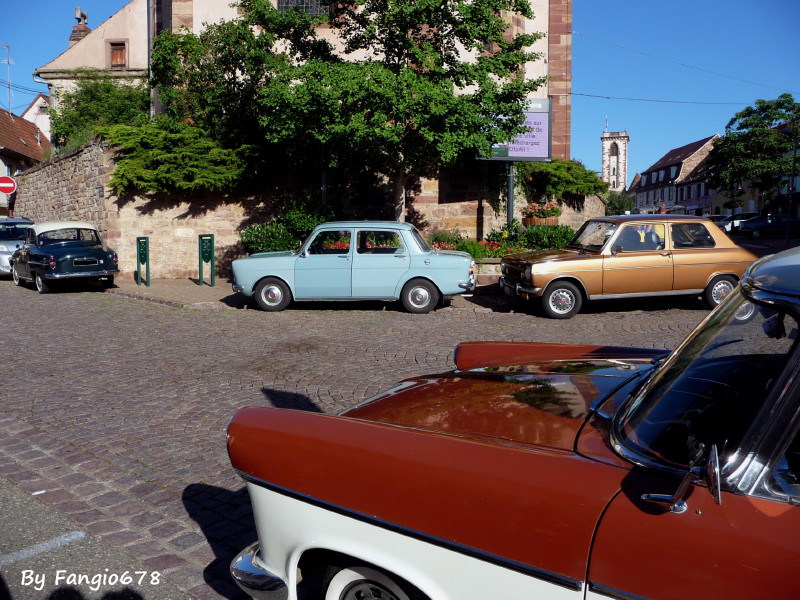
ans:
(592, 235)
(711, 387)
(13, 231)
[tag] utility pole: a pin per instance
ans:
(8, 82)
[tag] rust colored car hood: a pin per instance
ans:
(543, 403)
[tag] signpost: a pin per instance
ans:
(7, 185)
(535, 145)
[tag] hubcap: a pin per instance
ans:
(419, 297)
(272, 295)
(721, 291)
(562, 301)
(367, 590)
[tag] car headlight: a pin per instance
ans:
(528, 273)
(503, 269)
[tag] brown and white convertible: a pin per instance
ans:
(545, 471)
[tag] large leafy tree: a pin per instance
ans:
(404, 87)
(756, 146)
(97, 101)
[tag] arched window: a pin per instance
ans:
(614, 149)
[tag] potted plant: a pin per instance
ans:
(546, 213)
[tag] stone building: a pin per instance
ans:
(614, 169)
(119, 46)
(677, 180)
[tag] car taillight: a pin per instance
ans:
(114, 257)
(52, 262)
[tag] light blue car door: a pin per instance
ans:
(325, 271)
(380, 260)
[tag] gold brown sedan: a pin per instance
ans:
(629, 257)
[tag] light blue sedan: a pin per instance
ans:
(356, 260)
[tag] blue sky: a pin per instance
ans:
(728, 52)
(702, 60)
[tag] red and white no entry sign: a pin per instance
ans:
(7, 185)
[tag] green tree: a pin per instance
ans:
(756, 146)
(617, 203)
(98, 100)
(412, 86)
(558, 179)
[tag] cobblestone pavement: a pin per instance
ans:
(117, 408)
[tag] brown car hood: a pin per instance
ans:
(542, 403)
(544, 256)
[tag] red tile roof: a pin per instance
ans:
(22, 138)
(678, 155)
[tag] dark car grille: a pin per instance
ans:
(513, 274)
(84, 262)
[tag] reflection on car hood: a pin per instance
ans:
(281, 254)
(541, 403)
(541, 256)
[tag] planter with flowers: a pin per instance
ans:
(546, 213)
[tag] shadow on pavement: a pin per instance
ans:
(291, 400)
(226, 519)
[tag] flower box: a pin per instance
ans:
(528, 221)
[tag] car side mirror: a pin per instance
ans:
(709, 474)
(616, 250)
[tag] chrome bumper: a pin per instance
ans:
(79, 275)
(237, 288)
(517, 289)
(469, 285)
(256, 581)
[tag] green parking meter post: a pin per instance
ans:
(206, 250)
(142, 258)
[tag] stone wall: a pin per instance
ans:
(75, 187)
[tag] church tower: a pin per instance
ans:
(615, 160)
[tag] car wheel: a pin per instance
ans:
(41, 286)
(272, 294)
(15, 276)
(562, 300)
(420, 296)
(719, 289)
(360, 582)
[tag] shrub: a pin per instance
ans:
(268, 237)
(547, 237)
(288, 230)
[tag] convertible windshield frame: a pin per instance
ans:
(711, 389)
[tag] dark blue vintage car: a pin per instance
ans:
(63, 250)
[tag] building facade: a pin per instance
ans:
(22, 145)
(677, 181)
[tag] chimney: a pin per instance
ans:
(80, 30)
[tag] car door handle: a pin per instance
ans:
(344, 257)
(666, 254)
(400, 256)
